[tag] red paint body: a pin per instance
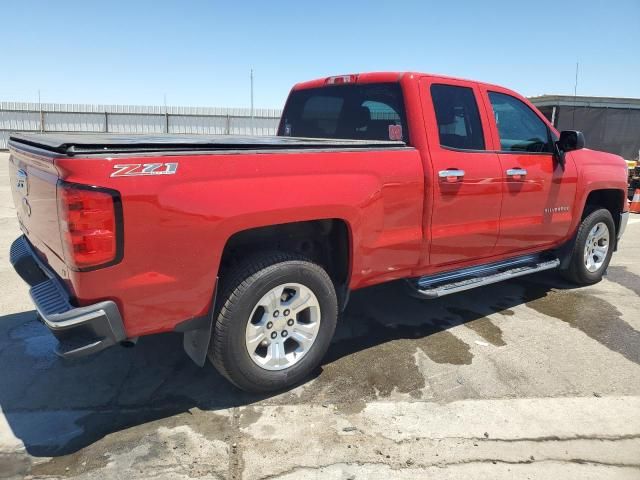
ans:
(403, 220)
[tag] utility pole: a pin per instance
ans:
(252, 113)
(41, 113)
(575, 94)
(166, 115)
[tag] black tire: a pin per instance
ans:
(577, 271)
(242, 288)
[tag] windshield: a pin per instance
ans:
(368, 112)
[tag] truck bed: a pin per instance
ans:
(105, 143)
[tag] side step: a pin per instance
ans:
(434, 286)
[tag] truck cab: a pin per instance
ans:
(495, 183)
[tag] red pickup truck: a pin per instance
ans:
(249, 246)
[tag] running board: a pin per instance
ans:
(434, 286)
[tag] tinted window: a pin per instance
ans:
(324, 111)
(458, 117)
(368, 112)
(381, 111)
(520, 129)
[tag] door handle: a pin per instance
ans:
(451, 175)
(516, 173)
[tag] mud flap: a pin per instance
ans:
(196, 344)
(197, 334)
(565, 253)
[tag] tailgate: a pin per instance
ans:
(33, 186)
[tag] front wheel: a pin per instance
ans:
(593, 248)
(277, 317)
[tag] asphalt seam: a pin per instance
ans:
(235, 454)
(142, 408)
(553, 438)
(444, 464)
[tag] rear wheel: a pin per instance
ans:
(277, 317)
(593, 248)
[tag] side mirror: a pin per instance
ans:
(569, 140)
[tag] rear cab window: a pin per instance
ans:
(354, 111)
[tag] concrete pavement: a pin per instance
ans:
(526, 379)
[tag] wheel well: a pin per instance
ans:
(610, 199)
(326, 242)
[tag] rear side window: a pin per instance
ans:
(365, 112)
(458, 117)
(520, 129)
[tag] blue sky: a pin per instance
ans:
(200, 52)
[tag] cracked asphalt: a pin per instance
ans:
(527, 379)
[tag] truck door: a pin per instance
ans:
(466, 190)
(539, 192)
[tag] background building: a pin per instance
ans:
(608, 124)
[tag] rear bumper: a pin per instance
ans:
(80, 330)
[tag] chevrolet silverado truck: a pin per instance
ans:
(249, 246)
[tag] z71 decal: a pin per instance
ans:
(136, 169)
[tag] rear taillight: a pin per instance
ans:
(90, 226)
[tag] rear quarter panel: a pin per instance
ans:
(176, 226)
